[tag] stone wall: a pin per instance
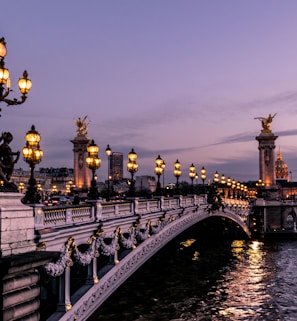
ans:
(16, 225)
(20, 289)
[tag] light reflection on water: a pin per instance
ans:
(242, 280)
(242, 292)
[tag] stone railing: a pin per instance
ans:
(59, 216)
(62, 215)
(239, 207)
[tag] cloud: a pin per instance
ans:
(286, 99)
(290, 132)
(248, 137)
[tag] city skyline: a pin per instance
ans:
(183, 80)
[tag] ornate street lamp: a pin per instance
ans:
(21, 187)
(260, 184)
(233, 186)
(192, 175)
(32, 155)
(159, 171)
(163, 166)
(108, 152)
(238, 189)
(246, 191)
(24, 83)
(223, 183)
(177, 173)
(229, 184)
(69, 187)
(203, 177)
(216, 178)
(132, 167)
(54, 189)
(93, 162)
(242, 190)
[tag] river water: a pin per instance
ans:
(206, 280)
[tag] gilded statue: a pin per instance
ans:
(266, 123)
(82, 127)
(8, 159)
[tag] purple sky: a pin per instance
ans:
(183, 79)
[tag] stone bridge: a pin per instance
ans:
(123, 235)
(63, 262)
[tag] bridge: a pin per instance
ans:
(105, 243)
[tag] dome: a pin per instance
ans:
(281, 168)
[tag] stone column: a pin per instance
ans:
(266, 158)
(82, 176)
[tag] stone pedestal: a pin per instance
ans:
(266, 157)
(16, 225)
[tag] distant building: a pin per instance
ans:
(116, 166)
(281, 168)
(145, 183)
(47, 179)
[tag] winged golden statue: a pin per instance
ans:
(266, 123)
(82, 126)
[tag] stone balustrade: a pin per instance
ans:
(58, 216)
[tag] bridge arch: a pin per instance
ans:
(91, 300)
(289, 218)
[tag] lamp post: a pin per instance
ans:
(158, 170)
(229, 183)
(238, 190)
(216, 178)
(163, 166)
(32, 155)
(177, 173)
(24, 83)
(192, 175)
(260, 184)
(93, 162)
(108, 152)
(233, 186)
(203, 177)
(21, 187)
(69, 187)
(54, 189)
(223, 183)
(242, 190)
(132, 168)
(291, 185)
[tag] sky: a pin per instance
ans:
(180, 79)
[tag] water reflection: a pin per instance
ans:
(242, 292)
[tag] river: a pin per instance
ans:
(206, 279)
